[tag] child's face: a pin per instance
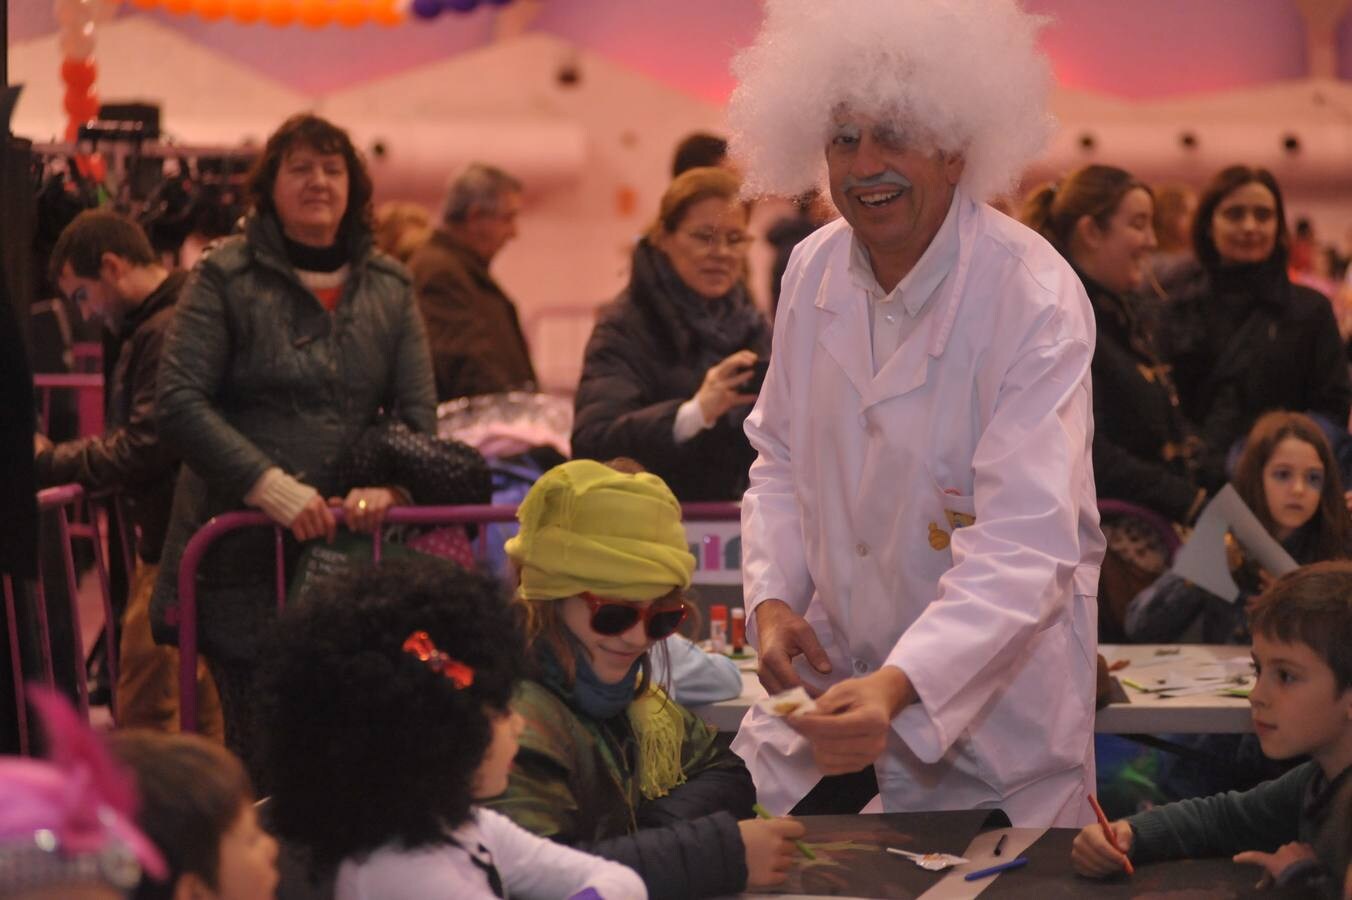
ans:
(248, 867)
(491, 778)
(611, 655)
(1293, 481)
(1296, 705)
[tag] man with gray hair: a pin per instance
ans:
(920, 537)
(472, 326)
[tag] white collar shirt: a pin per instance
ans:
(892, 314)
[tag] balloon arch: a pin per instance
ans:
(79, 19)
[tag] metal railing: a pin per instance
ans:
(61, 500)
(185, 608)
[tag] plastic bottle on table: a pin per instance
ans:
(738, 629)
(718, 628)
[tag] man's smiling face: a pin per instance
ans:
(892, 190)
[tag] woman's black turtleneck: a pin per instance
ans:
(1236, 289)
(307, 258)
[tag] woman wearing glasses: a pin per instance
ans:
(669, 373)
(608, 762)
(1242, 339)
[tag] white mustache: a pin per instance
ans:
(882, 179)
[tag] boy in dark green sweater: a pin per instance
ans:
(1302, 705)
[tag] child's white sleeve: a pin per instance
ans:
(536, 868)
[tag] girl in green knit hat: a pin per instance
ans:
(608, 762)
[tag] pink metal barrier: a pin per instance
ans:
(61, 500)
(208, 534)
(89, 402)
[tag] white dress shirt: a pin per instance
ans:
(892, 314)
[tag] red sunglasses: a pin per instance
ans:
(611, 617)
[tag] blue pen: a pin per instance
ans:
(995, 870)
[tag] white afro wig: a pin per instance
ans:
(965, 73)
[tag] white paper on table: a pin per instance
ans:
(1218, 675)
(1202, 559)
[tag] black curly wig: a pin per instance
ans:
(365, 743)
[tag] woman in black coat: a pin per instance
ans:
(1145, 453)
(1242, 339)
(667, 378)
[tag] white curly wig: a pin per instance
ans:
(965, 73)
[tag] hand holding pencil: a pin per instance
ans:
(769, 845)
(1100, 850)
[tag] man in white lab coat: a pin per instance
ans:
(920, 538)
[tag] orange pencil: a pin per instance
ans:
(1108, 833)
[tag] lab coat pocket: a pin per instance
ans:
(944, 515)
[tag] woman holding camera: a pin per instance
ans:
(669, 371)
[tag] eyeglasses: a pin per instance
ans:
(709, 240)
(611, 617)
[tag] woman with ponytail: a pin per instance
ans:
(1100, 219)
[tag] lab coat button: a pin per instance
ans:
(860, 667)
(861, 548)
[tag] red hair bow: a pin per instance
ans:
(419, 644)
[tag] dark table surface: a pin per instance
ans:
(852, 863)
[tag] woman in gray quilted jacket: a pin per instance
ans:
(289, 340)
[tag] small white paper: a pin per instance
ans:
(1202, 559)
(792, 702)
(934, 862)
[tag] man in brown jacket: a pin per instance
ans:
(472, 326)
(104, 262)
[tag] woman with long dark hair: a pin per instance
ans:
(1241, 337)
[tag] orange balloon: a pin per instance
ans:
(315, 13)
(92, 166)
(146, 4)
(72, 129)
(279, 13)
(246, 12)
(179, 7)
(78, 74)
(350, 13)
(212, 9)
(384, 13)
(74, 101)
(81, 105)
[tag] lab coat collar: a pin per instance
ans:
(846, 337)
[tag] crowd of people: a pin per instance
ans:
(965, 445)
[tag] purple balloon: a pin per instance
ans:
(498, 2)
(427, 9)
(461, 5)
